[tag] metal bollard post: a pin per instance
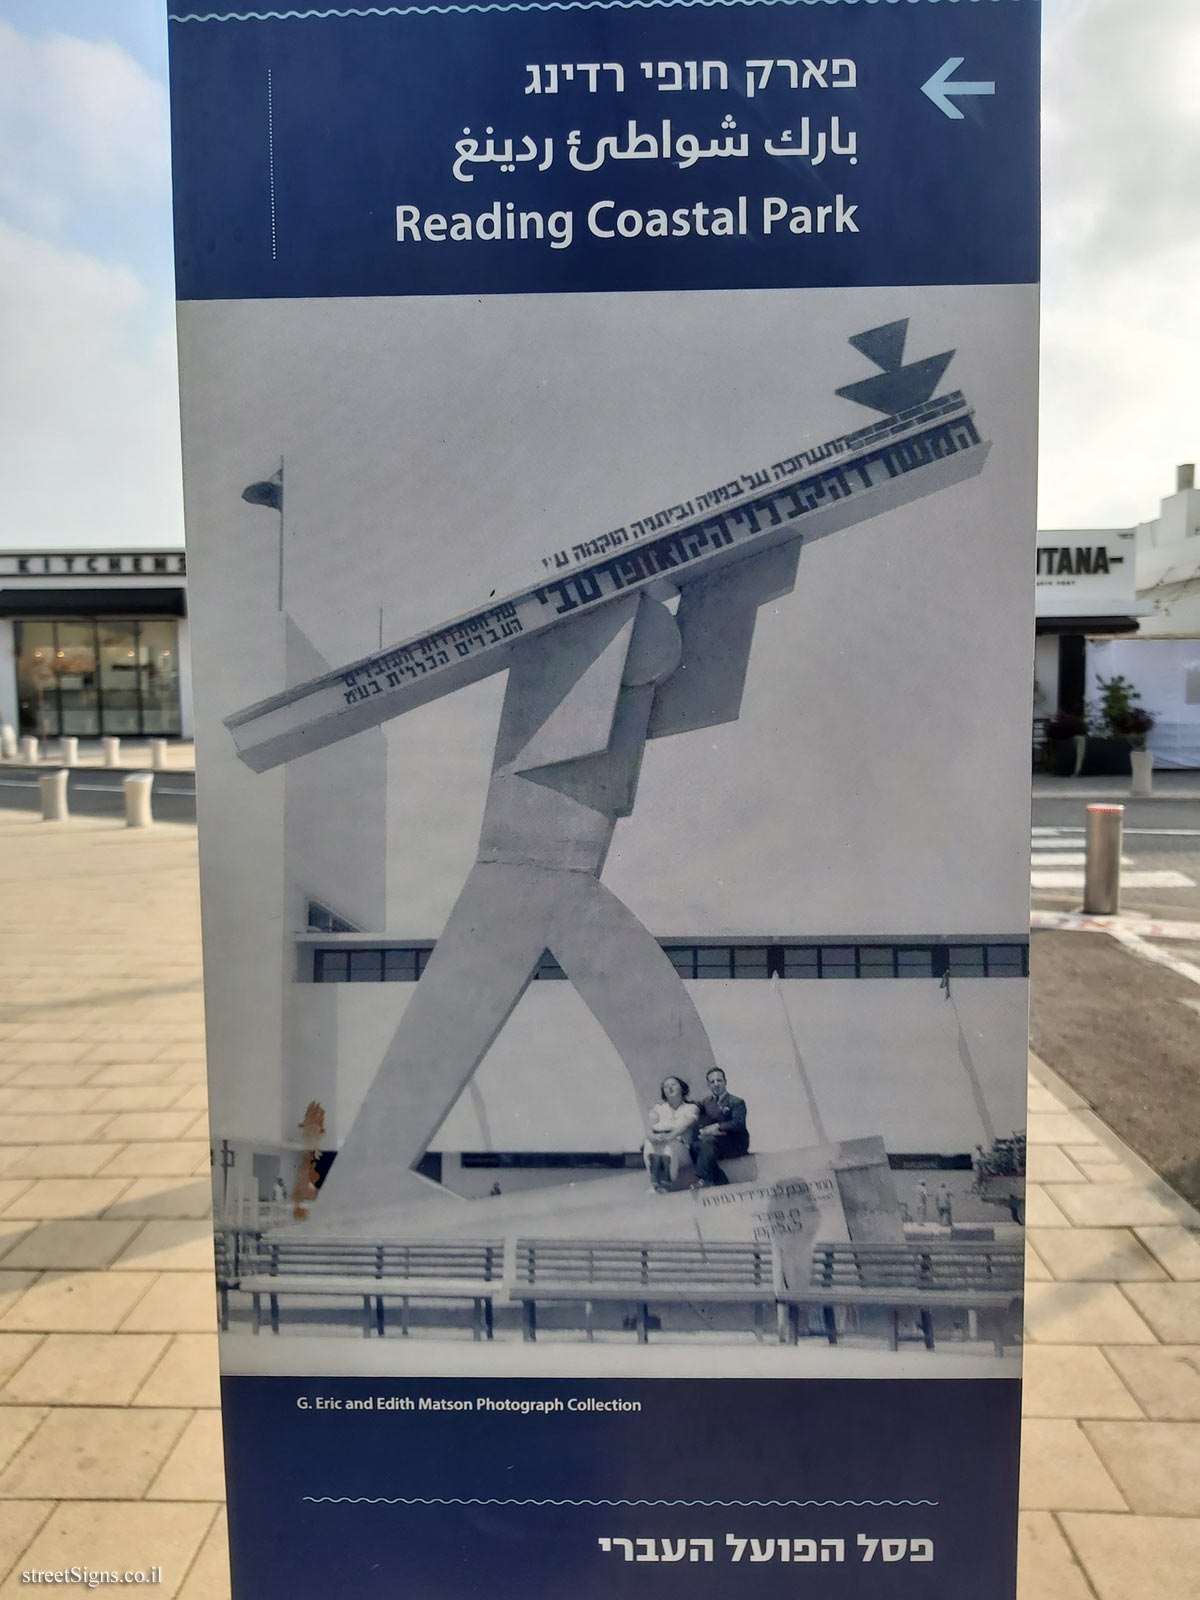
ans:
(137, 787)
(53, 788)
(68, 751)
(1102, 871)
(111, 746)
(29, 751)
(158, 755)
(8, 742)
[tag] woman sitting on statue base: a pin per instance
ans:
(671, 1121)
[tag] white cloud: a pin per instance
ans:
(1120, 326)
(80, 121)
(89, 432)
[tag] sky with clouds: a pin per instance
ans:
(88, 423)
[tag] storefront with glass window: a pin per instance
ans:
(94, 643)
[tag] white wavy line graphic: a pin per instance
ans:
(526, 5)
(739, 1505)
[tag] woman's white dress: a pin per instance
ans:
(673, 1126)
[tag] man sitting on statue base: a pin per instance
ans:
(721, 1133)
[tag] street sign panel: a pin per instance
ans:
(609, 445)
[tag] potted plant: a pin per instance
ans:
(1064, 734)
(1117, 727)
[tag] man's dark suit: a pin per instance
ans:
(728, 1116)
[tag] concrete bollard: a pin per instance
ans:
(158, 755)
(29, 751)
(111, 746)
(1102, 868)
(1142, 763)
(68, 751)
(8, 742)
(137, 787)
(53, 787)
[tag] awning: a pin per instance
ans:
(1087, 625)
(164, 601)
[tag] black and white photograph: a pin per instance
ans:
(610, 708)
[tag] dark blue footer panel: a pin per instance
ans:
(443, 1489)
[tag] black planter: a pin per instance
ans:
(1060, 757)
(1063, 756)
(1106, 758)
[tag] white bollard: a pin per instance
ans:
(8, 742)
(137, 787)
(111, 747)
(158, 754)
(1142, 763)
(1102, 866)
(53, 787)
(29, 751)
(68, 748)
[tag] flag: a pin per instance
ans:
(267, 493)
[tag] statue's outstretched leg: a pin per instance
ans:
(486, 955)
(504, 918)
(631, 988)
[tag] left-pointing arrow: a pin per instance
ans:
(939, 88)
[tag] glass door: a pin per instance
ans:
(75, 675)
(158, 663)
(37, 689)
(120, 693)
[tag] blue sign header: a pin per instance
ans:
(513, 150)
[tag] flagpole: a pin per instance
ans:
(281, 533)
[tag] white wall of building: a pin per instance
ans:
(883, 1056)
(1162, 660)
(1166, 673)
(1169, 563)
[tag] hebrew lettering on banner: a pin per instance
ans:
(752, 512)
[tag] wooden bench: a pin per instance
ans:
(914, 1278)
(455, 1270)
(641, 1274)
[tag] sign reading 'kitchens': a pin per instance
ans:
(93, 564)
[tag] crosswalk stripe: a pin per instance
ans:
(1129, 880)
(1067, 858)
(1055, 850)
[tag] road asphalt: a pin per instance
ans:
(96, 792)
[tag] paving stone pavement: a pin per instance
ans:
(109, 1432)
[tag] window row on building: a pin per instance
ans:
(844, 959)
